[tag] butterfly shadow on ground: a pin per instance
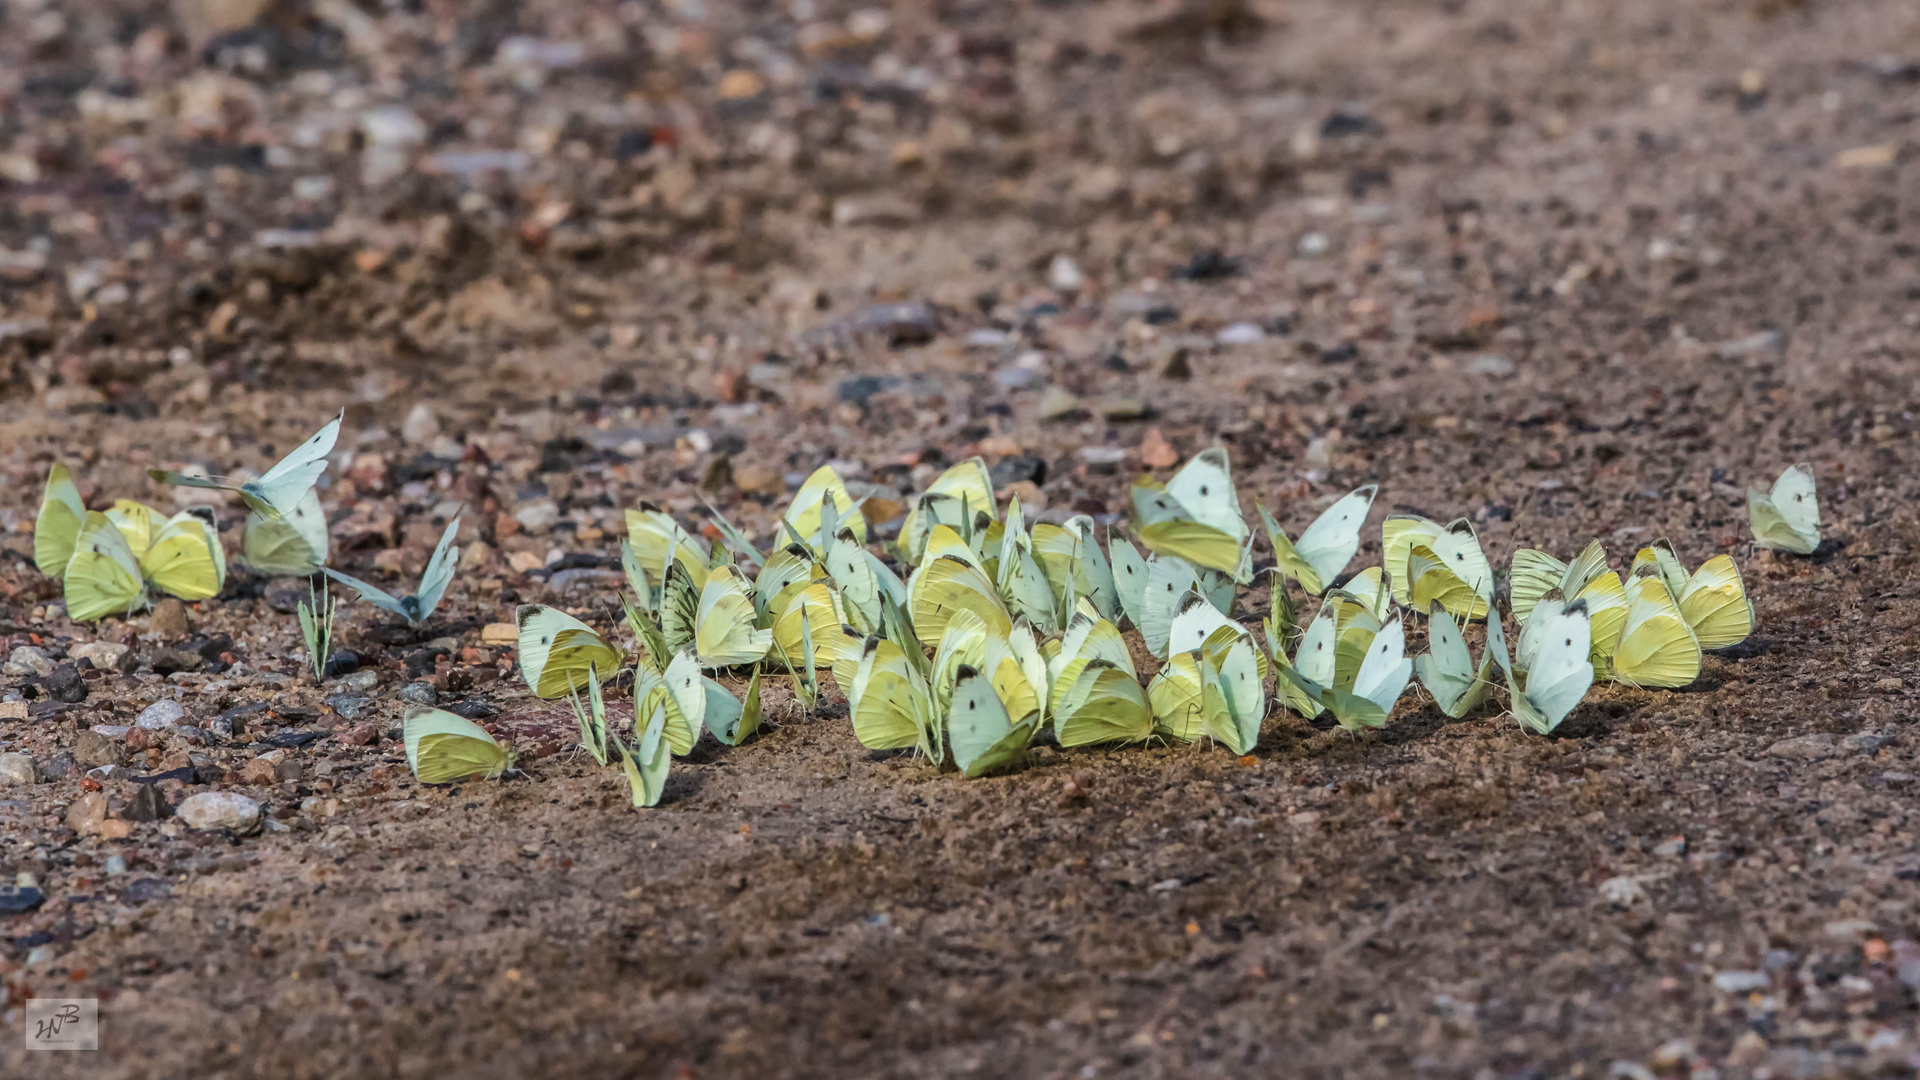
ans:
(1421, 724)
(1588, 720)
(683, 785)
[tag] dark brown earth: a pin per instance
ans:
(1572, 269)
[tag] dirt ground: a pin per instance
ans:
(1572, 269)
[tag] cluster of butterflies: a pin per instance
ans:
(110, 562)
(1002, 632)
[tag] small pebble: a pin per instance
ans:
(18, 769)
(348, 706)
(1242, 333)
(220, 810)
(1314, 244)
(161, 715)
(360, 682)
(26, 661)
(419, 693)
(116, 865)
(1064, 275)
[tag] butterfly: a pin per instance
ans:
(982, 734)
(724, 631)
(1559, 669)
(1657, 647)
(1327, 545)
(647, 762)
(1024, 589)
(1447, 669)
(698, 698)
(1167, 579)
(862, 579)
(1195, 515)
(57, 529)
(786, 571)
(1453, 568)
(955, 499)
(443, 748)
(1195, 621)
(419, 607)
(556, 651)
(592, 718)
(652, 697)
(1313, 660)
(1378, 683)
(821, 491)
(1074, 566)
(102, 576)
(294, 543)
(1713, 599)
(952, 578)
(654, 539)
(1233, 696)
(1535, 574)
(181, 556)
(1788, 517)
(281, 488)
(1096, 695)
(890, 701)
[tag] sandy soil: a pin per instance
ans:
(1571, 269)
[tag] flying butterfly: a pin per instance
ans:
(294, 544)
(280, 488)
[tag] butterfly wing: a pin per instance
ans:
(1529, 575)
(102, 577)
(556, 650)
(374, 595)
(57, 528)
(1714, 603)
(1168, 579)
(1204, 490)
(1194, 622)
(976, 720)
(803, 513)
(1173, 696)
(282, 487)
(185, 559)
(1129, 576)
(724, 631)
(1196, 542)
(1788, 516)
(1447, 670)
(293, 544)
(949, 583)
(1106, 705)
(1562, 670)
(1657, 649)
(1333, 539)
(443, 748)
(1398, 535)
(439, 572)
(1384, 674)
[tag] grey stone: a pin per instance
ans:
(91, 749)
(220, 810)
(169, 661)
(161, 715)
(348, 706)
(17, 768)
(1740, 982)
(25, 660)
(360, 682)
(64, 684)
(1815, 747)
(419, 693)
(538, 516)
(1868, 741)
(147, 804)
(104, 655)
(1241, 333)
(58, 767)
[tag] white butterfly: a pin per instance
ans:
(281, 489)
(433, 583)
